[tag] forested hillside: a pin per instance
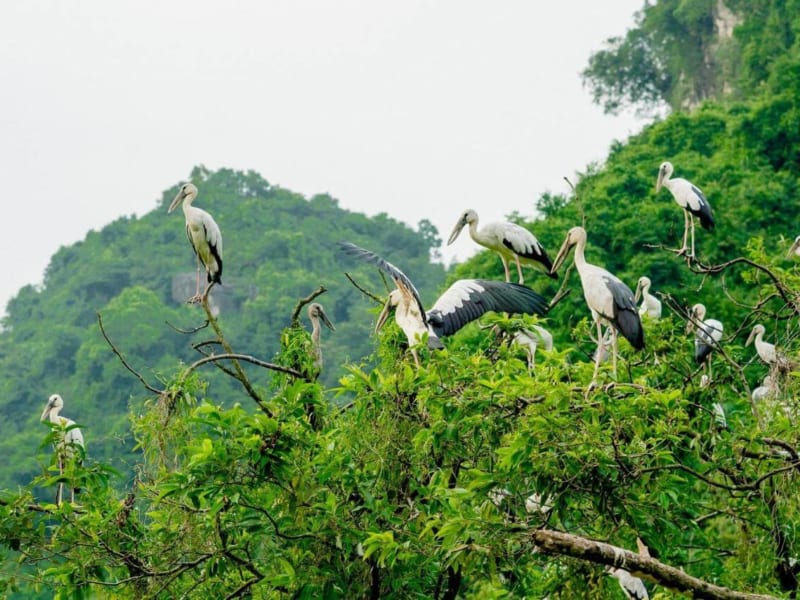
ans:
(278, 248)
(472, 476)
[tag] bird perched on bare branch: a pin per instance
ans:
(204, 236)
(689, 197)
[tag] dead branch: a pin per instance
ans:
(122, 358)
(244, 357)
(303, 301)
(363, 291)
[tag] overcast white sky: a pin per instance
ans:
(419, 109)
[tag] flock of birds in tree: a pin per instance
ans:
(610, 301)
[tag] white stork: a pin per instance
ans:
(530, 339)
(608, 298)
(204, 236)
(317, 316)
(509, 240)
(69, 443)
(651, 306)
(765, 350)
(794, 249)
(689, 198)
(707, 336)
(462, 302)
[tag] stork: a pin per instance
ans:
(69, 442)
(317, 316)
(767, 389)
(461, 303)
(632, 586)
(707, 336)
(530, 339)
(794, 249)
(651, 306)
(509, 240)
(204, 236)
(608, 298)
(765, 350)
(689, 198)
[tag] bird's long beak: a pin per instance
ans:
(562, 254)
(178, 199)
(660, 180)
(326, 321)
(456, 230)
(750, 338)
(638, 293)
(387, 309)
(46, 411)
(690, 322)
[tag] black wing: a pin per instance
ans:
(534, 252)
(384, 265)
(468, 299)
(704, 212)
(626, 316)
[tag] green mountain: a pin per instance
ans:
(137, 273)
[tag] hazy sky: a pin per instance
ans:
(419, 109)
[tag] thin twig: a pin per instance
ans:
(363, 291)
(122, 359)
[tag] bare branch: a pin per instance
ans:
(363, 291)
(250, 359)
(122, 358)
(303, 301)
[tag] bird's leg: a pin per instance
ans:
(613, 350)
(60, 488)
(599, 349)
(505, 267)
(519, 270)
(685, 230)
(196, 298)
(691, 221)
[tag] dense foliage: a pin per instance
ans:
(682, 52)
(262, 481)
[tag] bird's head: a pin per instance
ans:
(664, 172)
(54, 404)
(391, 302)
(188, 190)
(696, 316)
(316, 312)
(575, 236)
(757, 330)
(641, 287)
(467, 218)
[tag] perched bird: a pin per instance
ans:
(69, 443)
(633, 587)
(767, 389)
(204, 236)
(509, 240)
(536, 503)
(462, 302)
(794, 249)
(689, 198)
(651, 306)
(707, 336)
(317, 316)
(530, 339)
(765, 350)
(609, 299)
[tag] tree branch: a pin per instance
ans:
(303, 301)
(122, 358)
(652, 569)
